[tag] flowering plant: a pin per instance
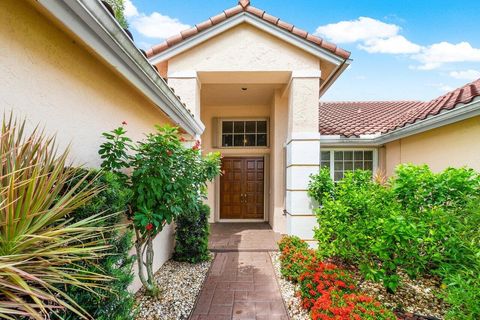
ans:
(337, 304)
(168, 178)
(321, 279)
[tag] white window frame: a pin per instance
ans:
(332, 158)
(220, 133)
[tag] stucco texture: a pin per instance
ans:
(454, 145)
(51, 80)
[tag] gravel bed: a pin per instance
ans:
(288, 289)
(414, 297)
(180, 284)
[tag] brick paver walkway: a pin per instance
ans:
(241, 283)
(242, 237)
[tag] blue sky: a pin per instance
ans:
(401, 49)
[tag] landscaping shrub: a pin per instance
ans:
(116, 302)
(420, 222)
(191, 236)
(336, 304)
(37, 240)
(295, 257)
(328, 291)
(168, 178)
(321, 186)
(321, 279)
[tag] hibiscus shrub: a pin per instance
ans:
(295, 257)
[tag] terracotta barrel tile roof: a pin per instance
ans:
(352, 119)
(244, 6)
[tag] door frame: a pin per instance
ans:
(266, 188)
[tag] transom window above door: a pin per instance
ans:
(244, 133)
(341, 161)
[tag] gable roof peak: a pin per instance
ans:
(244, 3)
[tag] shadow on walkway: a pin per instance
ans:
(241, 282)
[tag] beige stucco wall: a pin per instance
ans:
(243, 48)
(455, 145)
(52, 80)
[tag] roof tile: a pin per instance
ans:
(218, 18)
(270, 18)
(299, 32)
(189, 32)
(372, 117)
(233, 11)
(255, 11)
(244, 6)
(204, 25)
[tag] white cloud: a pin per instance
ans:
(155, 25)
(441, 53)
(442, 87)
(469, 75)
(393, 45)
(130, 9)
(375, 36)
(364, 28)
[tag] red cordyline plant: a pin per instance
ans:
(167, 179)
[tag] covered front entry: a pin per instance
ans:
(242, 188)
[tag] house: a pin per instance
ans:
(246, 83)
(255, 81)
(69, 67)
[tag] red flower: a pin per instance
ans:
(149, 227)
(197, 145)
(124, 122)
(182, 139)
(169, 152)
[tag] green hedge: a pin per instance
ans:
(421, 222)
(116, 303)
(191, 237)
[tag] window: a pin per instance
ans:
(340, 161)
(244, 133)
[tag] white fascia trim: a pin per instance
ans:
(459, 113)
(324, 85)
(261, 24)
(93, 24)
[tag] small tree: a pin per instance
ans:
(167, 179)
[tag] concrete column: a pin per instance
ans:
(187, 87)
(303, 154)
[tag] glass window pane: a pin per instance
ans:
(250, 140)
(358, 165)
(338, 165)
(368, 165)
(348, 165)
(368, 155)
(239, 126)
(250, 127)
(337, 176)
(338, 155)
(227, 140)
(348, 155)
(358, 155)
(261, 140)
(325, 164)
(227, 127)
(238, 140)
(262, 126)
(325, 155)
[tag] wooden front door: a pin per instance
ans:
(242, 188)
